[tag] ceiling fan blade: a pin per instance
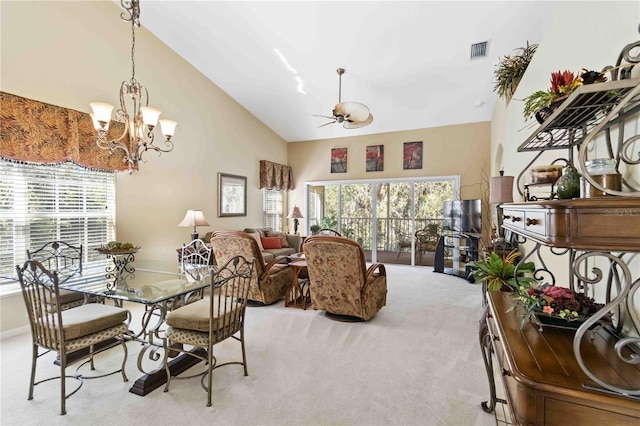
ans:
(354, 110)
(324, 116)
(356, 124)
(326, 124)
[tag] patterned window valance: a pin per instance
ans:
(37, 132)
(275, 176)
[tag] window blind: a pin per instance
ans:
(41, 203)
(272, 209)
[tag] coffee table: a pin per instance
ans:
(298, 295)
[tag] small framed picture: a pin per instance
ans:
(375, 158)
(412, 155)
(339, 160)
(232, 195)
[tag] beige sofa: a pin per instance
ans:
(294, 242)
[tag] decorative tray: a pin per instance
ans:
(118, 248)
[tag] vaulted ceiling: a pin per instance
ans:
(408, 61)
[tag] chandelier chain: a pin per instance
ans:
(133, 51)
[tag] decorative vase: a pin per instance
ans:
(568, 185)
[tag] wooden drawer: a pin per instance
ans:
(535, 222)
(513, 218)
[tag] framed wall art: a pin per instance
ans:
(412, 155)
(232, 195)
(375, 158)
(339, 160)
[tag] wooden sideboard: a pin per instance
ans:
(540, 368)
(544, 384)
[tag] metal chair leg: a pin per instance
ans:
(63, 383)
(34, 360)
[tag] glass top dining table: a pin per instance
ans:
(157, 285)
(151, 282)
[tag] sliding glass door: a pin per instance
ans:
(382, 216)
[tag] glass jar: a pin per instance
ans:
(603, 172)
(601, 166)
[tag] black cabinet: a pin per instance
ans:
(454, 252)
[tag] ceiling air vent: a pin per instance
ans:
(479, 50)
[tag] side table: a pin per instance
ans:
(298, 295)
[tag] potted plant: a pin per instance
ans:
(500, 273)
(542, 103)
(315, 228)
(510, 70)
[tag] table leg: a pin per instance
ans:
(151, 380)
(298, 295)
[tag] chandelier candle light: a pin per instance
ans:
(194, 218)
(295, 214)
(137, 136)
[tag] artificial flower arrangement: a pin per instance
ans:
(558, 302)
(563, 83)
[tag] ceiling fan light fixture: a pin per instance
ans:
(352, 114)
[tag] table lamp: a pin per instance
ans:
(500, 191)
(295, 214)
(194, 218)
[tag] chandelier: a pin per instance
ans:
(137, 136)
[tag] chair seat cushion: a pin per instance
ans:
(195, 316)
(91, 318)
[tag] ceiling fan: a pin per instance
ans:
(352, 115)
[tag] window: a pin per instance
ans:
(272, 209)
(45, 203)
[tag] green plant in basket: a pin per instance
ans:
(498, 272)
(510, 69)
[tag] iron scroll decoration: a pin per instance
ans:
(624, 299)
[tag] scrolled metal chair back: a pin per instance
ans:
(228, 301)
(41, 296)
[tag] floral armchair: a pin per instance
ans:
(341, 283)
(269, 281)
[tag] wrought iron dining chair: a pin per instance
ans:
(66, 260)
(195, 260)
(66, 331)
(195, 265)
(212, 320)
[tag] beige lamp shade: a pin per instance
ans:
(295, 213)
(501, 189)
(194, 218)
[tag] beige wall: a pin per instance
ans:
(72, 53)
(460, 150)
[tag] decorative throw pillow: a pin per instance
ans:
(283, 238)
(271, 242)
(256, 236)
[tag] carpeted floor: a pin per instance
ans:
(417, 362)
